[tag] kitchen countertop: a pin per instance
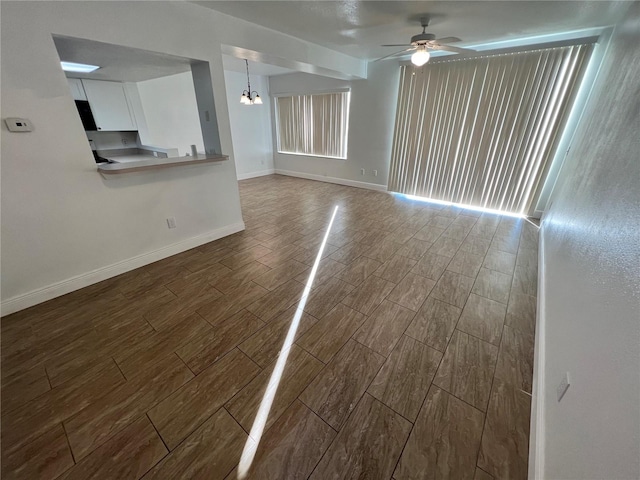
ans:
(131, 158)
(135, 163)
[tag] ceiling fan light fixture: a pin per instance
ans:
(420, 57)
(422, 43)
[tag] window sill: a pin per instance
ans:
(310, 155)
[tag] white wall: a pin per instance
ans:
(371, 120)
(590, 308)
(171, 113)
(63, 225)
(250, 125)
(113, 140)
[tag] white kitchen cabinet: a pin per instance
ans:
(77, 90)
(110, 106)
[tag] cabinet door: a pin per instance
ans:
(77, 90)
(109, 105)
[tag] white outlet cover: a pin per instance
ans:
(563, 386)
(171, 222)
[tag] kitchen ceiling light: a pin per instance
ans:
(78, 67)
(421, 56)
(247, 97)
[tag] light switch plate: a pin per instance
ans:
(564, 386)
(18, 124)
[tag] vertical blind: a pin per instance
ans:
(314, 124)
(479, 131)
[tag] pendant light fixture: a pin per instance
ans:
(247, 97)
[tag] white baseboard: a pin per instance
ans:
(20, 302)
(339, 181)
(536, 428)
(261, 173)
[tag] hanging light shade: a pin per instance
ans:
(248, 97)
(421, 56)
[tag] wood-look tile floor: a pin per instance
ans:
(412, 357)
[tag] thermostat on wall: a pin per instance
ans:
(18, 124)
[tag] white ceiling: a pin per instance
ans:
(118, 63)
(357, 28)
(124, 64)
(237, 65)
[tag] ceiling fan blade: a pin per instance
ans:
(394, 54)
(398, 45)
(449, 48)
(448, 40)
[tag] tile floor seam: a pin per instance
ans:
(489, 400)
(158, 433)
(314, 413)
(344, 422)
(66, 436)
(373, 377)
(307, 351)
(442, 358)
(478, 338)
(387, 405)
(48, 379)
(224, 407)
(112, 434)
(120, 370)
(424, 400)
(461, 399)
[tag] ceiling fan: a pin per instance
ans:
(423, 42)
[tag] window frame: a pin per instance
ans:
(346, 90)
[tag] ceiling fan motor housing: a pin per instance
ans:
(422, 38)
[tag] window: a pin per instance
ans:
(479, 131)
(314, 125)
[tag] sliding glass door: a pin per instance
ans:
(479, 131)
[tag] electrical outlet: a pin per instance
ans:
(362, 171)
(124, 140)
(375, 173)
(564, 386)
(171, 222)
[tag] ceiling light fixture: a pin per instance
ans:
(421, 56)
(78, 67)
(247, 97)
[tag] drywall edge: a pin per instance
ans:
(40, 295)
(536, 425)
(261, 173)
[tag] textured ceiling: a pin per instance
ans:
(124, 64)
(357, 28)
(118, 63)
